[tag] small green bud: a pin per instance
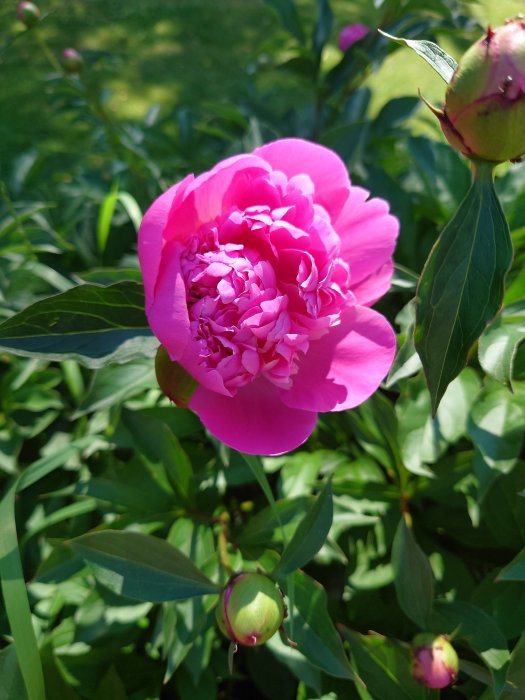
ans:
(484, 113)
(250, 610)
(435, 663)
(28, 13)
(173, 379)
(72, 61)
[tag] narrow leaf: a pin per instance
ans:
(413, 578)
(91, 324)
(142, 567)
(16, 601)
(440, 61)
(310, 535)
(132, 208)
(462, 284)
(105, 216)
(323, 27)
(260, 475)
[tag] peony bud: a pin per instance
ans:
(72, 61)
(434, 661)
(28, 13)
(173, 379)
(250, 610)
(484, 114)
(350, 34)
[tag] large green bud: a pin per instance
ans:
(484, 114)
(250, 610)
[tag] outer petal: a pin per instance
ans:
(325, 168)
(368, 236)
(150, 234)
(211, 194)
(255, 420)
(166, 307)
(343, 368)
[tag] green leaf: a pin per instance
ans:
(287, 11)
(496, 427)
(142, 567)
(105, 216)
(13, 687)
(515, 680)
(313, 630)
(310, 535)
(257, 470)
(499, 343)
(91, 324)
(413, 577)
(323, 27)
(515, 571)
(115, 383)
(440, 61)
(424, 439)
(12, 576)
(384, 666)
(462, 284)
(157, 443)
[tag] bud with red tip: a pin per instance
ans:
(72, 61)
(435, 663)
(28, 13)
(350, 34)
(250, 610)
(484, 113)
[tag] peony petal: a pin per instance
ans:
(343, 368)
(150, 233)
(324, 167)
(368, 235)
(166, 307)
(213, 193)
(255, 420)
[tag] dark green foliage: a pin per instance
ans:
(121, 519)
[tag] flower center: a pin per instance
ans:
(259, 289)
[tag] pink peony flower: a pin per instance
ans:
(258, 278)
(350, 34)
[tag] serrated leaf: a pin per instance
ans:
(90, 324)
(142, 567)
(441, 62)
(310, 535)
(462, 284)
(413, 577)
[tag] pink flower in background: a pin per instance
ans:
(258, 278)
(350, 34)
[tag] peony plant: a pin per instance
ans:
(259, 276)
